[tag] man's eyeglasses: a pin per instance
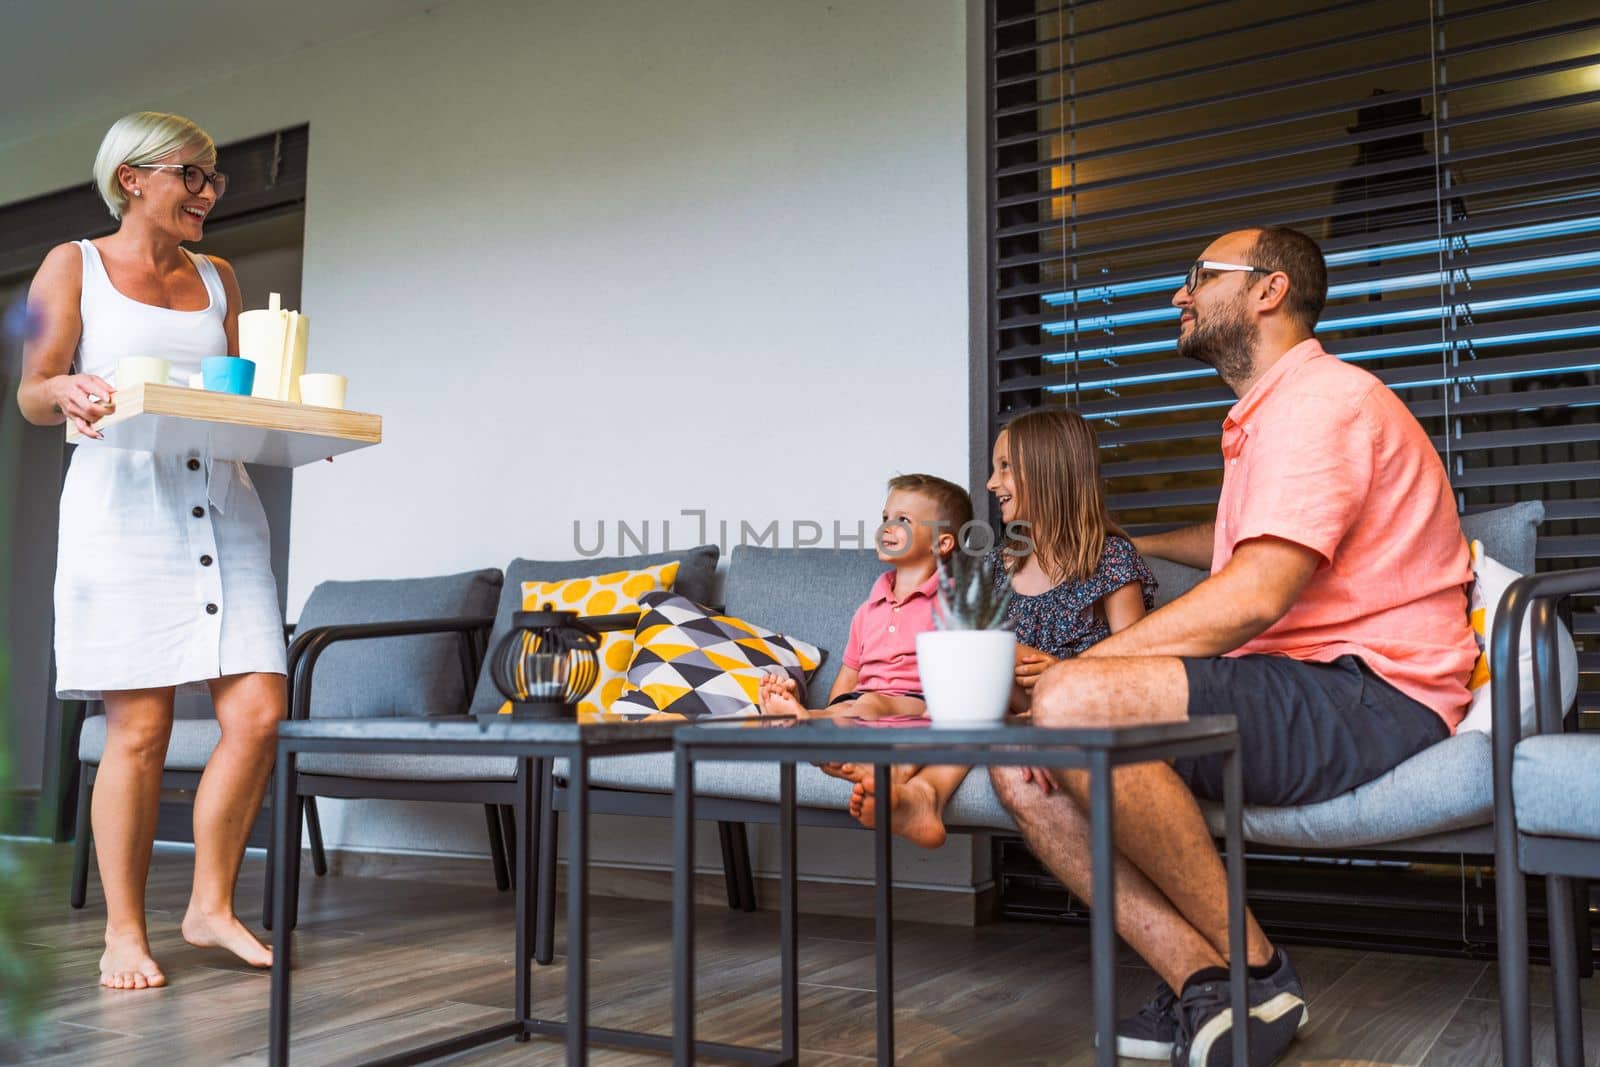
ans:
(1192, 282)
(194, 176)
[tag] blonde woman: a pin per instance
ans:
(163, 576)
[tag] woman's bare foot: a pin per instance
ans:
(126, 963)
(914, 811)
(224, 930)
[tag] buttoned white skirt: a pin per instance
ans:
(149, 593)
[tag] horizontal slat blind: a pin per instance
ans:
(1446, 156)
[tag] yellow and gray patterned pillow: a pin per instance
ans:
(602, 594)
(692, 663)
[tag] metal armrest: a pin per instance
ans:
(1540, 595)
(309, 646)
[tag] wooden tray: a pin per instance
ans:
(172, 420)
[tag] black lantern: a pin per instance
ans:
(546, 664)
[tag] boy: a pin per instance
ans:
(921, 521)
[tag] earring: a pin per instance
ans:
(137, 193)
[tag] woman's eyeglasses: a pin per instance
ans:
(194, 176)
(1192, 282)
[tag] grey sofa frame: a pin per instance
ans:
(1564, 861)
(498, 796)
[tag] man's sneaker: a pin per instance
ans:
(1277, 1007)
(1150, 1034)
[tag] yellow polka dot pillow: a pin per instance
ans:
(692, 663)
(602, 594)
(1491, 580)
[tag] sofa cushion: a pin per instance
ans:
(1421, 797)
(389, 676)
(696, 572)
(188, 749)
(410, 768)
(1173, 579)
(809, 593)
(1556, 789)
(695, 664)
(601, 594)
(1508, 534)
(1447, 786)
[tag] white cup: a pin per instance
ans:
(323, 390)
(135, 370)
(197, 380)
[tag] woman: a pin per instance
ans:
(163, 575)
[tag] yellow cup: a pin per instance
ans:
(132, 370)
(323, 390)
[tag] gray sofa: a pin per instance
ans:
(1440, 801)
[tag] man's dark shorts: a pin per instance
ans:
(1307, 731)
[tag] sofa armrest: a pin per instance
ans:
(1538, 595)
(309, 646)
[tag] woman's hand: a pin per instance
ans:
(1031, 663)
(84, 399)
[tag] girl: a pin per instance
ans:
(1075, 576)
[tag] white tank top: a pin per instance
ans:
(115, 326)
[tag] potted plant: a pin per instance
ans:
(969, 661)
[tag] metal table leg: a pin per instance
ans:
(524, 884)
(283, 824)
(883, 844)
(683, 908)
(1238, 950)
(788, 920)
(1102, 910)
(578, 910)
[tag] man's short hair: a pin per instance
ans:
(1278, 248)
(951, 501)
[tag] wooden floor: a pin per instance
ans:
(384, 964)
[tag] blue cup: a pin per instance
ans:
(228, 374)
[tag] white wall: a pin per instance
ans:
(611, 261)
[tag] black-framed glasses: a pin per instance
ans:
(1192, 280)
(194, 176)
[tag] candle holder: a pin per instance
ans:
(546, 664)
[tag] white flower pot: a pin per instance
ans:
(966, 675)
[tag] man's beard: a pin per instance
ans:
(1225, 340)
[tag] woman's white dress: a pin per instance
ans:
(163, 569)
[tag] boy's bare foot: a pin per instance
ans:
(779, 696)
(914, 812)
(126, 963)
(224, 930)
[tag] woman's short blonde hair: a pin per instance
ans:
(143, 137)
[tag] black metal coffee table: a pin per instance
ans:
(534, 745)
(1014, 742)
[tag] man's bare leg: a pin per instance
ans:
(1057, 831)
(123, 809)
(1159, 827)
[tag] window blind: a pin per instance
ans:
(1444, 154)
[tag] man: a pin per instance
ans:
(1334, 625)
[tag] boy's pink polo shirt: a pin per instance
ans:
(883, 636)
(1323, 454)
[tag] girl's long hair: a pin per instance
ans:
(1055, 461)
